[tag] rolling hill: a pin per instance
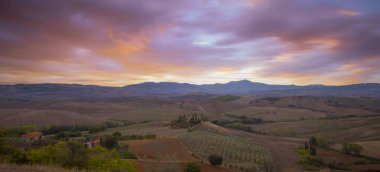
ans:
(243, 87)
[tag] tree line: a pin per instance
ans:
(69, 154)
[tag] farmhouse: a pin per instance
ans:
(94, 142)
(32, 136)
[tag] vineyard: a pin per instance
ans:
(238, 153)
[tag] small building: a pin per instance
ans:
(95, 142)
(92, 143)
(32, 136)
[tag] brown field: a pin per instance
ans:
(166, 109)
(293, 120)
(170, 146)
(150, 148)
(159, 128)
(337, 130)
(204, 167)
(339, 106)
(278, 114)
(371, 148)
(18, 112)
(347, 160)
(43, 117)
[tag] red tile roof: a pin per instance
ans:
(32, 134)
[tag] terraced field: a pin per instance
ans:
(238, 153)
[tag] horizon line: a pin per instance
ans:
(57, 83)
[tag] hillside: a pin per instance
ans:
(43, 117)
(166, 89)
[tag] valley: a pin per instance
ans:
(286, 123)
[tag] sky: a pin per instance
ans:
(122, 42)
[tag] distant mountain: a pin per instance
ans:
(56, 91)
(243, 87)
(173, 88)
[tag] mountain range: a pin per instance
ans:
(243, 87)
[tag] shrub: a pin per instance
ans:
(12, 155)
(192, 167)
(69, 154)
(18, 131)
(312, 146)
(308, 161)
(109, 142)
(336, 165)
(67, 134)
(116, 134)
(239, 126)
(102, 159)
(66, 154)
(322, 141)
(215, 160)
(273, 99)
(138, 137)
(311, 162)
(302, 151)
(129, 155)
(228, 98)
(186, 121)
(352, 148)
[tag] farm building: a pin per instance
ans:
(32, 136)
(94, 142)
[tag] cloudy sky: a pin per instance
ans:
(121, 42)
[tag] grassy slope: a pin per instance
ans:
(43, 117)
(371, 148)
(158, 128)
(277, 114)
(363, 123)
(350, 162)
(337, 130)
(329, 105)
(16, 112)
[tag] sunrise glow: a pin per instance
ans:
(117, 43)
